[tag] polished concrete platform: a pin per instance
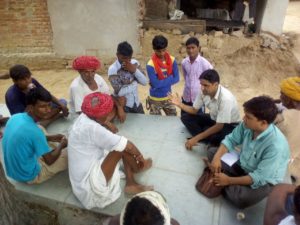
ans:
(174, 174)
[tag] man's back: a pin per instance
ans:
(23, 143)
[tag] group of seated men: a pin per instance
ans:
(33, 156)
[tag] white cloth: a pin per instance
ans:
(223, 107)
(104, 192)
(88, 143)
(289, 220)
(79, 89)
(290, 127)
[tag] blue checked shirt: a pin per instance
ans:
(265, 158)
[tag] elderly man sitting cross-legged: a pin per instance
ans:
(94, 155)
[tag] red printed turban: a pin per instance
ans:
(86, 62)
(97, 104)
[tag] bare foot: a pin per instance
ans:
(137, 188)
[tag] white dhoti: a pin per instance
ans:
(103, 193)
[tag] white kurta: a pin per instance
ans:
(89, 143)
(79, 89)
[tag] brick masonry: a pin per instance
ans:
(25, 27)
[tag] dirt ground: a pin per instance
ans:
(292, 25)
(245, 67)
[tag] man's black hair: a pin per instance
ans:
(140, 211)
(262, 107)
(38, 94)
(125, 49)
(192, 41)
(159, 42)
(211, 76)
(18, 72)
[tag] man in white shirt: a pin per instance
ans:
(90, 82)
(125, 75)
(94, 155)
(223, 111)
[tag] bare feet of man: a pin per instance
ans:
(137, 188)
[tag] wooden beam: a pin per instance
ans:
(186, 26)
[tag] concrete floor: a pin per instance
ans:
(175, 172)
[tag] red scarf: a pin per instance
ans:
(158, 64)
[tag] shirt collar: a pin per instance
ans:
(265, 132)
(217, 95)
(28, 117)
(196, 60)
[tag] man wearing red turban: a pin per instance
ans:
(89, 82)
(94, 155)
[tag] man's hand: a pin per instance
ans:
(121, 114)
(190, 143)
(139, 160)
(174, 99)
(55, 137)
(65, 110)
(216, 165)
(221, 179)
(131, 68)
(64, 142)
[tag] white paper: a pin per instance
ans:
(230, 158)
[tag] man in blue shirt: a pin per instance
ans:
(27, 156)
(263, 157)
(16, 94)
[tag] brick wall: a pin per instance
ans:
(25, 27)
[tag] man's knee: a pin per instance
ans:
(235, 196)
(244, 196)
(211, 151)
(185, 118)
